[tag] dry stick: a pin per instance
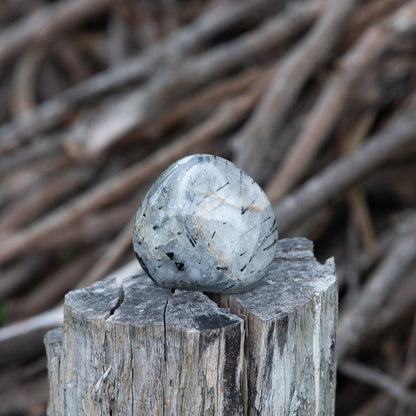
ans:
(41, 26)
(343, 173)
(182, 41)
(149, 33)
(380, 380)
(93, 228)
(377, 405)
(98, 132)
(22, 374)
(109, 258)
(23, 340)
(66, 52)
(15, 9)
(22, 92)
(170, 21)
(354, 322)
(365, 17)
(19, 275)
(335, 95)
(116, 38)
(24, 388)
(54, 287)
(352, 276)
(402, 304)
(253, 144)
(40, 200)
(409, 371)
(40, 148)
(372, 11)
(225, 117)
(208, 97)
(17, 184)
(404, 221)
(356, 196)
(358, 205)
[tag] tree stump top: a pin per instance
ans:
(140, 302)
(293, 279)
(140, 349)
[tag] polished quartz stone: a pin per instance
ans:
(205, 225)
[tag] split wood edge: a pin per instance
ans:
(145, 350)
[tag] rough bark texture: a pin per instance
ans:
(290, 323)
(143, 350)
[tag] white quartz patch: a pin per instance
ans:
(205, 225)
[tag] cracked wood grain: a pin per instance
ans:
(144, 350)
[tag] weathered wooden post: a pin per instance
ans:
(146, 350)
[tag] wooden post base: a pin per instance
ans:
(145, 350)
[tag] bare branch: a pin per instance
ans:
(353, 322)
(112, 189)
(381, 380)
(335, 95)
(41, 26)
(97, 133)
(182, 41)
(343, 173)
(253, 143)
(109, 258)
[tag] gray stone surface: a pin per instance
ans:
(205, 225)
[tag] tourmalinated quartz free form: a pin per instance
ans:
(205, 225)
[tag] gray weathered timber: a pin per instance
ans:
(143, 350)
(290, 326)
(53, 346)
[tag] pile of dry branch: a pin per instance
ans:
(315, 99)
